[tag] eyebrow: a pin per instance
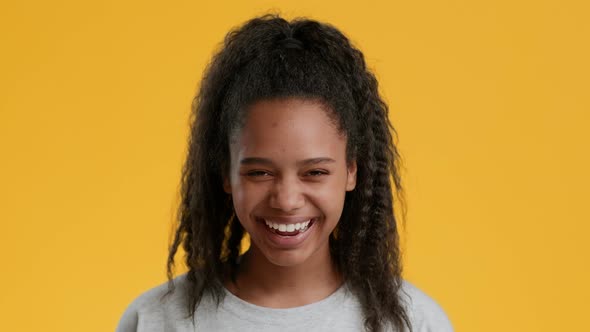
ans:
(305, 162)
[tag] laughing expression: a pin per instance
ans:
(288, 179)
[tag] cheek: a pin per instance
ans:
(329, 198)
(247, 197)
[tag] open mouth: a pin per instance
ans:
(288, 229)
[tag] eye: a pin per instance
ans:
(257, 173)
(317, 172)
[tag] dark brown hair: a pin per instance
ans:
(270, 57)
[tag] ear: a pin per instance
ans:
(351, 178)
(226, 185)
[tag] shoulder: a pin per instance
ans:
(150, 307)
(424, 312)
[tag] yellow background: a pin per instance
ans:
(490, 99)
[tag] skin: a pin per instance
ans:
(283, 133)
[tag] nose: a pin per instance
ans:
(287, 195)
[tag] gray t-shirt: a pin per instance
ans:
(340, 311)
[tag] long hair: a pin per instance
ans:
(270, 57)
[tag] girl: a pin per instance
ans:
(290, 145)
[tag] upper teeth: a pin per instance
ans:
(287, 227)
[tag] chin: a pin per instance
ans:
(286, 259)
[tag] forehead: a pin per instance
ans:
(288, 128)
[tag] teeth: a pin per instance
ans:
(301, 227)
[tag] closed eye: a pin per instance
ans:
(257, 173)
(317, 173)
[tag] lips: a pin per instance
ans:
(287, 220)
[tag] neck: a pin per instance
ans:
(263, 283)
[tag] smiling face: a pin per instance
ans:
(288, 179)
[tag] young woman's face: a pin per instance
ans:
(288, 179)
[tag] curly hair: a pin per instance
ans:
(270, 57)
